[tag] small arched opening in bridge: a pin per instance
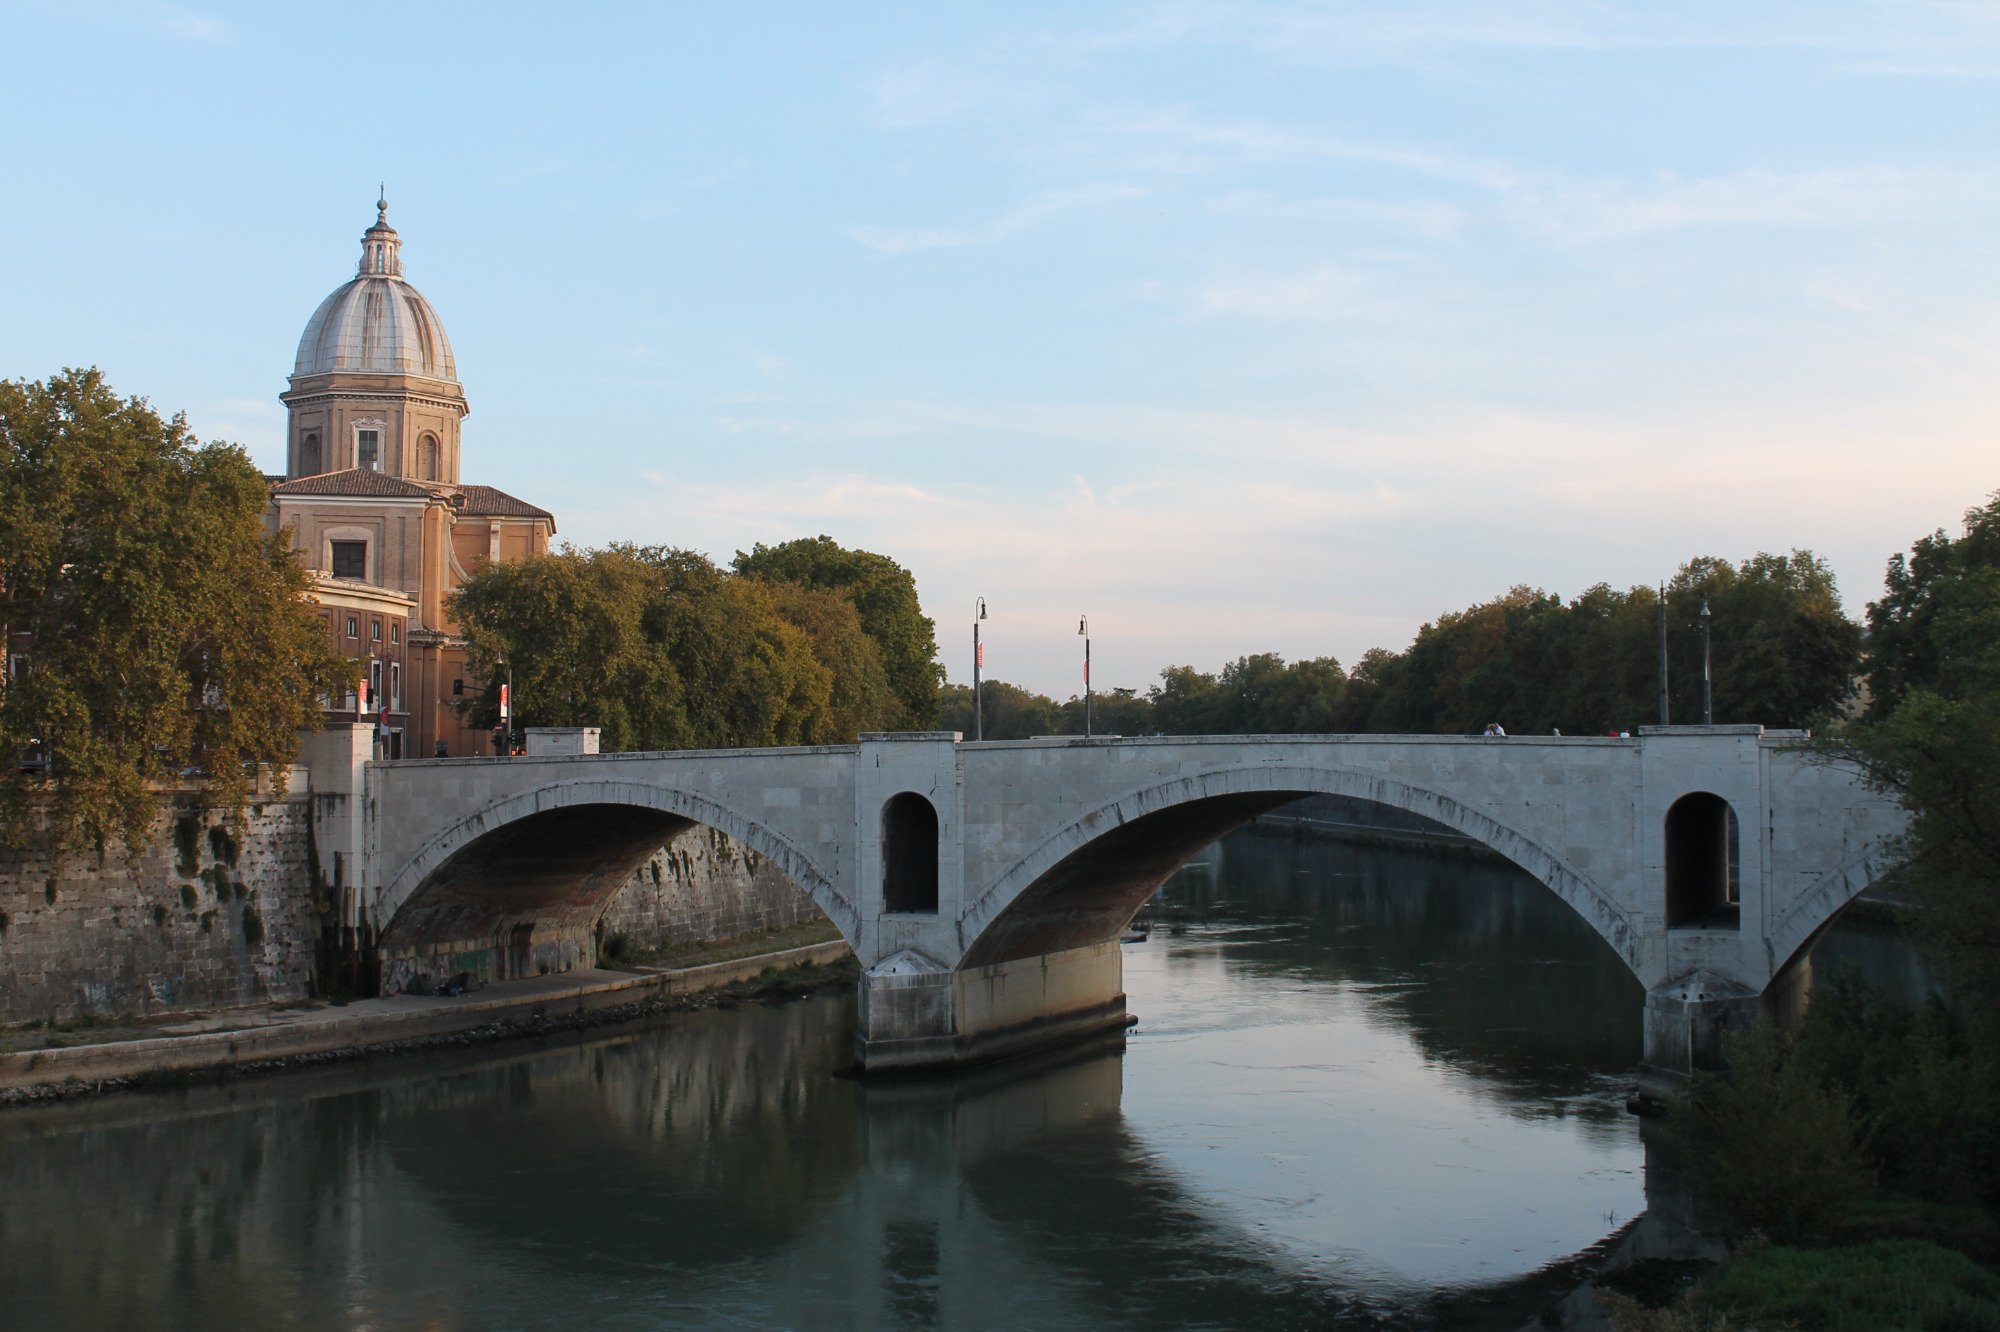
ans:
(909, 855)
(503, 899)
(1702, 863)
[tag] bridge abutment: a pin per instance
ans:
(916, 1016)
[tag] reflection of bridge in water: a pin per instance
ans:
(984, 886)
(704, 1172)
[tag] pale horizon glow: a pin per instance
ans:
(1237, 326)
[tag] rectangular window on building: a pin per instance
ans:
(395, 686)
(350, 559)
(395, 633)
(353, 627)
(368, 449)
(375, 630)
(374, 684)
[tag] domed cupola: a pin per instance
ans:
(377, 323)
(374, 385)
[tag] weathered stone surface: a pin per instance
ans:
(703, 886)
(201, 920)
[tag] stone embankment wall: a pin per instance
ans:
(207, 917)
(702, 886)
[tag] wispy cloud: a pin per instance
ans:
(1020, 218)
(190, 26)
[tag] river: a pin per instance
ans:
(1367, 1088)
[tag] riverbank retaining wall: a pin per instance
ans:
(206, 916)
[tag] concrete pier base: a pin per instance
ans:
(915, 1015)
(1687, 1022)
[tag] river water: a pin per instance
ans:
(1367, 1089)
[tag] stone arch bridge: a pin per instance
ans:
(984, 886)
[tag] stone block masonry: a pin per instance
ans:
(704, 886)
(207, 917)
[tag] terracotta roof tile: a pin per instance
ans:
(486, 502)
(356, 481)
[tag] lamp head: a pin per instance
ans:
(1083, 624)
(982, 608)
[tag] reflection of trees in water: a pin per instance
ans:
(1485, 967)
(708, 1140)
(169, 1205)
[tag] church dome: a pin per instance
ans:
(377, 323)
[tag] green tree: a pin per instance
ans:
(572, 625)
(1933, 619)
(1774, 1149)
(663, 650)
(750, 678)
(1184, 702)
(1784, 655)
(164, 630)
(1012, 713)
(884, 595)
(860, 698)
(1931, 737)
(1115, 711)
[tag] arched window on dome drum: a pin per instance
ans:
(309, 456)
(427, 458)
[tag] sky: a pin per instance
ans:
(1236, 327)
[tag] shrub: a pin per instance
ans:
(1903, 1283)
(1773, 1150)
(1928, 1093)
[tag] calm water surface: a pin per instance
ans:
(1367, 1089)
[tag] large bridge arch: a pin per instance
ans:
(674, 808)
(1821, 903)
(1127, 847)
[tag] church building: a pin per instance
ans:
(372, 499)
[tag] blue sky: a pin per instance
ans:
(1238, 326)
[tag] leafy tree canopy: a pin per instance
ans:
(1012, 713)
(1931, 737)
(884, 595)
(164, 631)
(663, 650)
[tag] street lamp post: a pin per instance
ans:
(1083, 628)
(978, 660)
(1707, 697)
(1664, 713)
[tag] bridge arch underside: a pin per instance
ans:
(1083, 886)
(524, 898)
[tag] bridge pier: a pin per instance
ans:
(915, 1015)
(1687, 1022)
